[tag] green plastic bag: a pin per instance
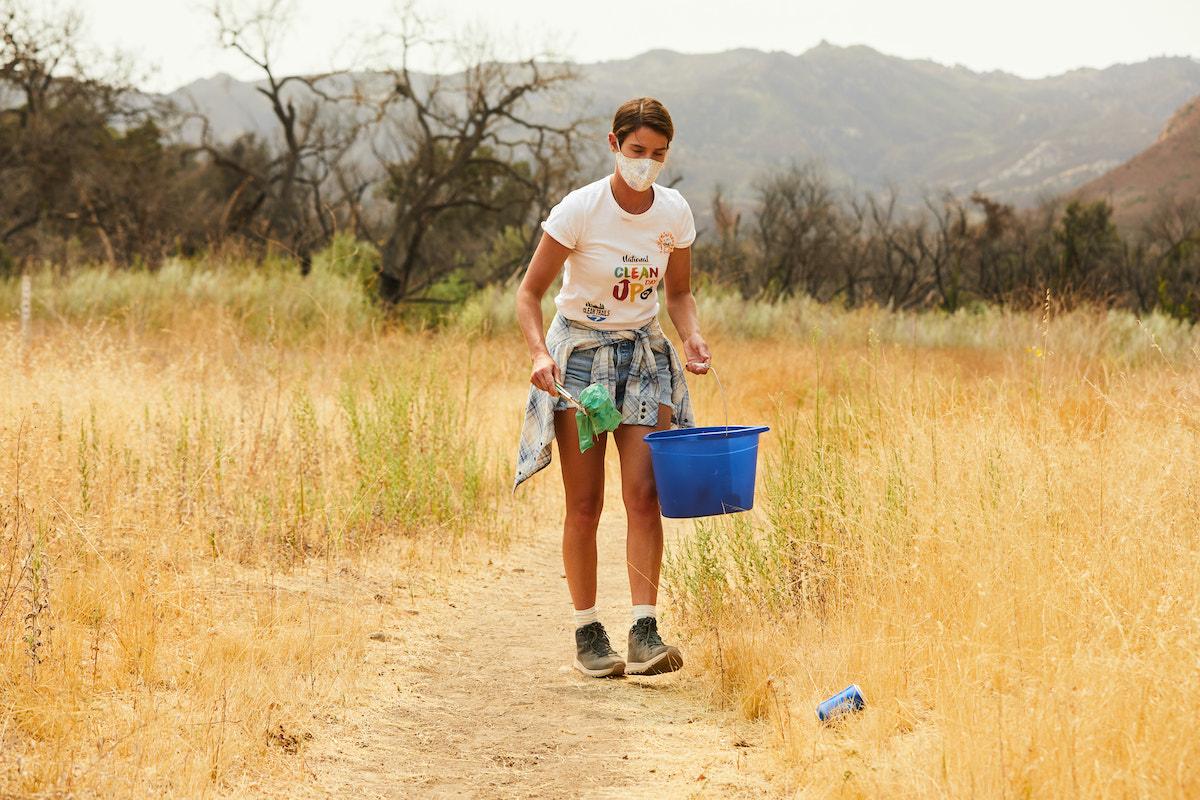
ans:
(600, 417)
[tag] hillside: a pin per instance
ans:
(872, 119)
(1167, 170)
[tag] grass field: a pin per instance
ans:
(208, 475)
(206, 479)
(987, 523)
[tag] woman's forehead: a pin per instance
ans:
(649, 138)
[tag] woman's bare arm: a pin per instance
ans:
(544, 267)
(681, 306)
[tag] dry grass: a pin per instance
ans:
(996, 540)
(987, 520)
(207, 479)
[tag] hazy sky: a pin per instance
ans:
(1031, 38)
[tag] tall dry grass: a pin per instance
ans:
(986, 521)
(209, 477)
(210, 474)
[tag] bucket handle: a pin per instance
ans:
(721, 386)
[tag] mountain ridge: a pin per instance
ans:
(1165, 172)
(869, 118)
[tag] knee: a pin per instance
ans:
(585, 511)
(641, 502)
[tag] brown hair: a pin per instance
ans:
(642, 112)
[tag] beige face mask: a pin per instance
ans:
(639, 173)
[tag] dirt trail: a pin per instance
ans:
(475, 697)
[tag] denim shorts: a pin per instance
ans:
(578, 373)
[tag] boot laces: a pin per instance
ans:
(597, 639)
(646, 631)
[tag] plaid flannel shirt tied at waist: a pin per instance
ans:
(640, 406)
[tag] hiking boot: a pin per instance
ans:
(647, 655)
(594, 656)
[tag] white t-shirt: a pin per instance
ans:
(617, 259)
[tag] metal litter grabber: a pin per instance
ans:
(596, 413)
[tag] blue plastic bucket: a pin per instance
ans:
(702, 472)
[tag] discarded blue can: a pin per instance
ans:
(845, 701)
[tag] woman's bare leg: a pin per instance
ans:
(644, 540)
(583, 482)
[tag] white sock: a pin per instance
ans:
(644, 611)
(586, 617)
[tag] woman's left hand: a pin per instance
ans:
(698, 355)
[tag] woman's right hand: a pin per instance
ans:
(545, 373)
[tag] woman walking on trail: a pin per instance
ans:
(620, 237)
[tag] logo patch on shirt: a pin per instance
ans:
(666, 242)
(596, 312)
(634, 282)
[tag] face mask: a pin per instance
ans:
(639, 173)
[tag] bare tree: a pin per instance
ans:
(296, 197)
(859, 251)
(943, 246)
(994, 266)
(1168, 275)
(797, 232)
(465, 149)
(1173, 226)
(730, 258)
(899, 280)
